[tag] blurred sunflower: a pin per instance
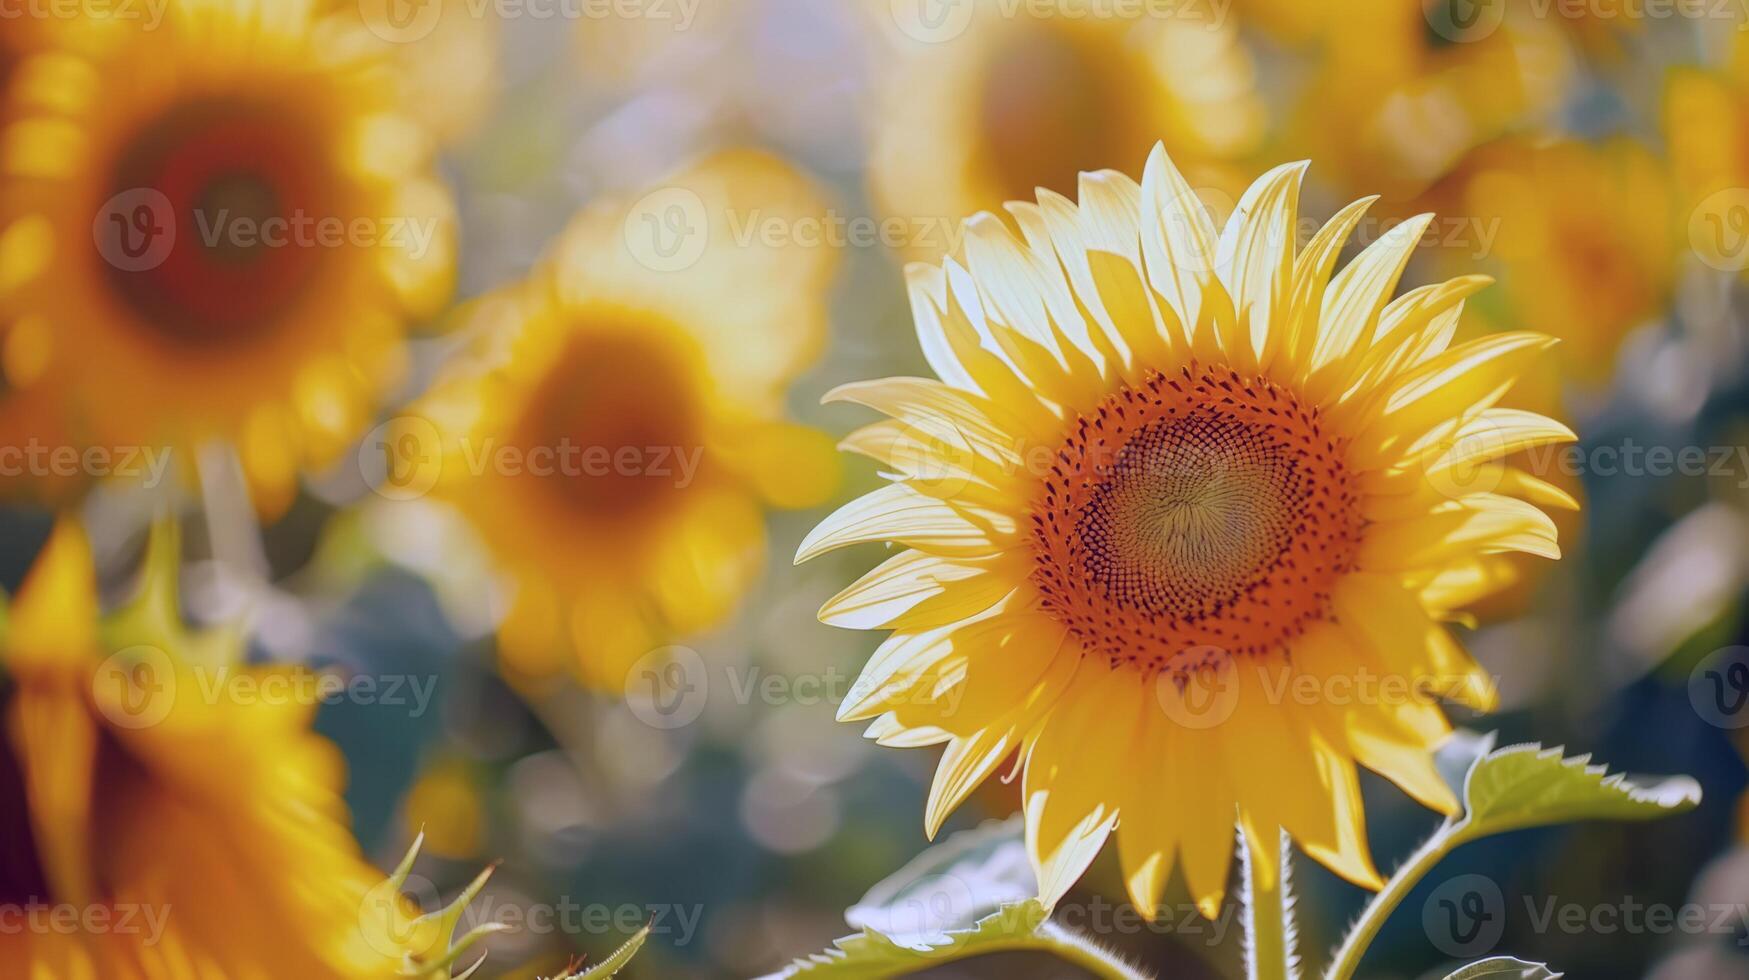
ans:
(445, 56)
(1706, 129)
(1171, 479)
(1001, 106)
(217, 229)
(1584, 274)
(202, 832)
(1405, 88)
(615, 436)
(1287, 21)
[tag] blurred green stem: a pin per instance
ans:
(1266, 923)
(1373, 917)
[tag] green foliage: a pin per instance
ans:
(974, 893)
(871, 955)
(1503, 968)
(614, 962)
(1528, 786)
(1513, 788)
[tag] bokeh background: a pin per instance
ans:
(1592, 156)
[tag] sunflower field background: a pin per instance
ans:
(411, 412)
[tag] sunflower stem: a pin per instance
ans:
(1269, 932)
(1373, 917)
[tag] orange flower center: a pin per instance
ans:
(218, 217)
(614, 429)
(1194, 518)
(1047, 110)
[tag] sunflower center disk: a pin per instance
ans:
(614, 429)
(1046, 112)
(1192, 518)
(222, 215)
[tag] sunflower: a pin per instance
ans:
(217, 229)
(193, 831)
(1416, 84)
(1176, 497)
(1706, 128)
(1584, 274)
(617, 432)
(994, 107)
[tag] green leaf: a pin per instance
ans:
(616, 962)
(1503, 968)
(872, 956)
(1513, 788)
(950, 887)
(972, 893)
(1528, 786)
